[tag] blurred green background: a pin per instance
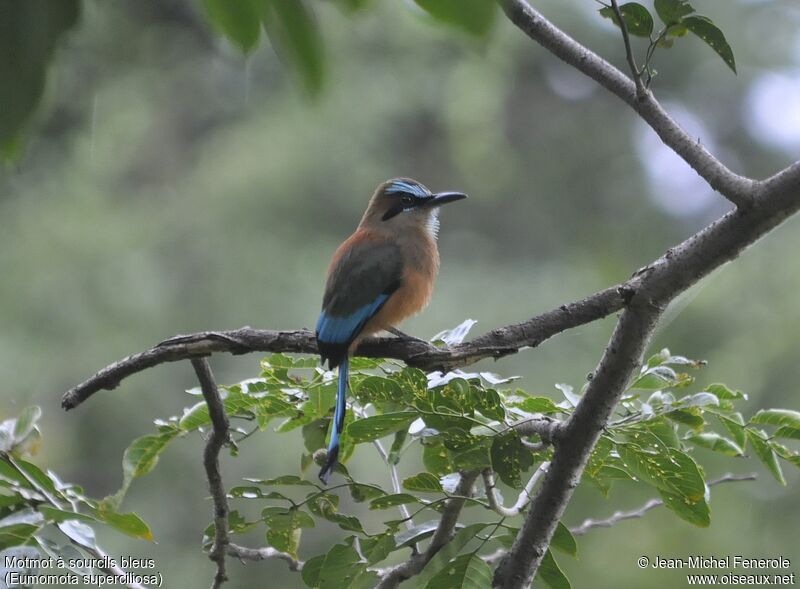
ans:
(171, 185)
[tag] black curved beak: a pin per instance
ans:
(442, 198)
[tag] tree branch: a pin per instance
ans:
(264, 553)
(392, 577)
(496, 503)
(493, 344)
(618, 516)
(737, 189)
(761, 207)
(220, 435)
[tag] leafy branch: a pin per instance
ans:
(678, 18)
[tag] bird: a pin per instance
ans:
(380, 275)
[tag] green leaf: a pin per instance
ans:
(238, 20)
(717, 443)
(734, 423)
(675, 474)
(672, 11)
(638, 19)
(141, 456)
(475, 17)
(687, 417)
(388, 501)
(787, 431)
(475, 458)
(721, 392)
(424, 482)
(656, 378)
(713, 37)
(29, 34)
(510, 457)
(538, 405)
(694, 511)
(551, 573)
(564, 540)
(766, 454)
(701, 399)
(314, 434)
(361, 492)
(323, 398)
(467, 571)
(449, 551)
(777, 417)
(280, 518)
(378, 426)
(397, 446)
(326, 505)
(51, 514)
(280, 362)
(16, 534)
(378, 547)
(416, 533)
(26, 422)
(294, 34)
(80, 533)
(311, 570)
(289, 479)
(341, 565)
(285, 540)
(127, 523)
(379, 389)
(436, 459)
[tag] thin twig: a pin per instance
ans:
(635, 73)
(220, 435)
(618, 516)
(740, 190)
(264, 553)
(359, 411)
(496, 503)
(392, 577)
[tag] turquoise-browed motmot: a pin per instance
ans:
(380, 275)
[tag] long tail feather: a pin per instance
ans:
(338, 423)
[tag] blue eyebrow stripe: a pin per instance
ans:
(401, 186)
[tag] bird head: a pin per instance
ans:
(405, 203)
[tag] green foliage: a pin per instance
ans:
(678, 18)
(29, 34)
(475, 17)
(35, 505)
(637, 18)
(457, 422)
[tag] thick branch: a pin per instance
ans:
(493, 344)
(737, 189)
(443, 534)
(220, 435)
(768, 204)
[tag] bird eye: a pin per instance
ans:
(407, 200)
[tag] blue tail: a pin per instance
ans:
(338, 423)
